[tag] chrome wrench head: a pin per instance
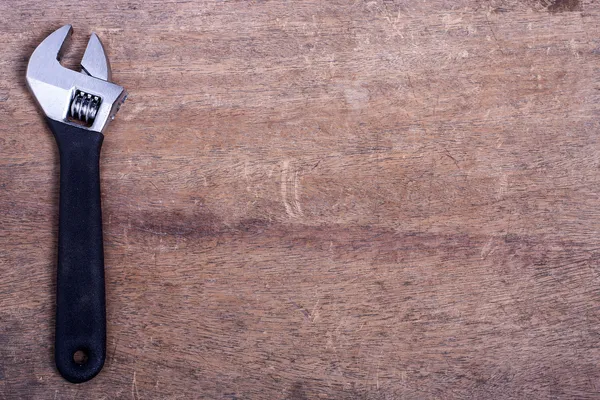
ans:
(86, 99)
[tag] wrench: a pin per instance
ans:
(78, 107)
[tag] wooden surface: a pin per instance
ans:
(320, 200)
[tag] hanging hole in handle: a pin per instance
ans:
(80, 357)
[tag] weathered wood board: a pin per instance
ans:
(320, 200)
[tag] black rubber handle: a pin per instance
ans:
(80, 298)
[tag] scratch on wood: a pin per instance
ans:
(134, 390)
(487, 249)
(290, 191)
(301, 309)
(493, 33)
(113, 359)
(447, 153)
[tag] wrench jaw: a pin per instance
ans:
(94, 61)
(55, 87)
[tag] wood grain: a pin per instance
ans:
(320, 200)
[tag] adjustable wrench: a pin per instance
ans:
(78, 107)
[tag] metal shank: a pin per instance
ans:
(54, 86)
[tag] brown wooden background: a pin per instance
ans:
(320, 200)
